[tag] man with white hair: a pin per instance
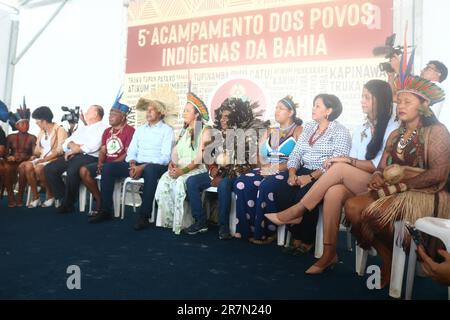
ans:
(80, 149)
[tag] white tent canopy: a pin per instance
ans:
(68, 52)
(79, 57)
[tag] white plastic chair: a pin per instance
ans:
(135, 202)
(232, 219)
(116, 195)
(318, 250)
(125, 189)
(398, 262)
(436, 227)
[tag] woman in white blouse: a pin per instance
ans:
(48, 148)
(320, 140)
(347, 176)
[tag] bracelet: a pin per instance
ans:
(185, 170)
(377, 172)
(312, 178)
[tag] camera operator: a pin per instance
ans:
(434, 71)
(80, 149)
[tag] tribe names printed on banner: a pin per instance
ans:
(309, 32)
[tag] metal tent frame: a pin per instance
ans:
(14, 8)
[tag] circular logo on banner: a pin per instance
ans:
(245, 89)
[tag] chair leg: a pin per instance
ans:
(117, 193)
(398, 264)
(281, 233)
(288, 239)
(82, 197)
(122, 201)
(232, 221)
(153, 217)
(28, 196)
(318, 251)
(90, 202)
(134, 199)
(349, 239)
(412, 260)
(361, 260)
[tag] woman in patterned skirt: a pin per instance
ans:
(275, 150)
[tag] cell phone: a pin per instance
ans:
(415, 234)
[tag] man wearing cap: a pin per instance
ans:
(115, 142)
(148, 156)
(80, 149)
(19, 148)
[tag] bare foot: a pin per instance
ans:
(11, 202)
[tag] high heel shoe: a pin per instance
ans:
(48, 203)
(314, 270)
(34, 203)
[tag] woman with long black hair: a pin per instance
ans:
(347, 176)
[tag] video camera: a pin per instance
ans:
(388, 50)
(73, 115)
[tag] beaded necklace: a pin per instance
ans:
(312, 141)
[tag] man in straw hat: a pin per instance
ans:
(147, 157)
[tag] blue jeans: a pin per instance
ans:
(196, 184)
(116, 170)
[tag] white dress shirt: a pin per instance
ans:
(89, 137)
(362, 136)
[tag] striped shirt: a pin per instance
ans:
(335, 142)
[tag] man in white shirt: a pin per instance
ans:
(80, 149)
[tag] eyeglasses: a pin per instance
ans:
(429, 67)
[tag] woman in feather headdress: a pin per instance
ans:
(410, 180)
(233, 113)
(19, 148)
(186, 161)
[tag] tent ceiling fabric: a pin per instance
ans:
(29, 3)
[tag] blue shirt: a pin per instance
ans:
(151, 144)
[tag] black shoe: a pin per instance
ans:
(100, 217)
(63, 209)
(141, 224)
(197, 227)
(224, 233)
